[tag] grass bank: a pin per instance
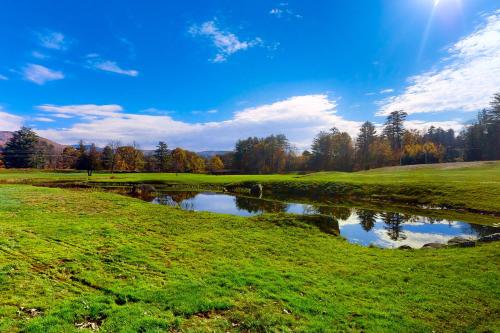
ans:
(473, 187)
(72, 259)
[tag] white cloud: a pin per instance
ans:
(52, 40)
(94, 61)
(465, 80)
(283, 11)
(225, 42)
(386, 91)
(39, 55)
(40, 74)
(300, 118)
(423, 125)
(82, 110)
(9, 122)
(3, 77)
(44, 119)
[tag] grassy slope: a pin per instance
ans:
(90, 256)
(473, 186)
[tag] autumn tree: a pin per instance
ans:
(215, 164)
(69, 158)
(332, 150)
(109, 156)
(129, 158)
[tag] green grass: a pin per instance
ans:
(87, 256)
(465, 186)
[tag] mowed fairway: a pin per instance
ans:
(471, 186)
(79, 258)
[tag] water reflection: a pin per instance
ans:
(362, 226)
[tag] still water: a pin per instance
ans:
(365, 227)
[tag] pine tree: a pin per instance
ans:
(366, 137)
(162, 156)
(19, 152)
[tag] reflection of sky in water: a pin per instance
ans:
(414, 231)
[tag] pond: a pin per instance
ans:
(362, 226)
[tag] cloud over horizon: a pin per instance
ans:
(300, 118)
(465, 80)
(9, 122)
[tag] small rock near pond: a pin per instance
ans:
(461, 242)
(490, 238)
(433, 246)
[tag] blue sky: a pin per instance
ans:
(201, 74)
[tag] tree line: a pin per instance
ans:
(331, 150)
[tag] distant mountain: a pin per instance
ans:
(212, 153)
(5, 136)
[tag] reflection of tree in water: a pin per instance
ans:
(393, 223)
(367, 219)
(337, 212)
(252, 205)
(326, 224)
(178, 198)
(483, 230)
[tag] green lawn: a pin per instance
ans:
(469, 186)
(70, 258)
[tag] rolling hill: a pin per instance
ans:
(5, 136)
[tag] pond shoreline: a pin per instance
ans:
(305, 192)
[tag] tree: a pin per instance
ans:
(366, 137)
(129, 158)
(179, 160)
(109, 156)
(162, 156)
(82, 161)
(380, 153)
(215, 164)
(394, 129)
(19, 152)
(69, 158)
(332, 150)
(93, 160)
(262, 155)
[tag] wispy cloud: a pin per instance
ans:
(82, 110)
(39, 55)
(464, 80)
(40, 74)
(52, 40)
(283, 10)
(386, 91)
(43, 119)
(96, 62)
(226, 43)
(3, 77)
(9, 122)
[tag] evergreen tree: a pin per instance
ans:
(366, 137)
(19, 152)
(162, 156)
(394, 129)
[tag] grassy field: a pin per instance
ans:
(72, 259)
(469, 186)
